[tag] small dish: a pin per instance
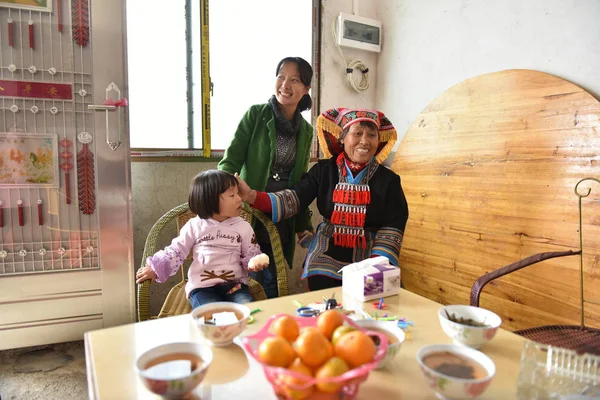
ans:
(452, 387)
(465, 334)
(221, 335)
(173, 370)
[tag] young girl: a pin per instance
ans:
(224, 245)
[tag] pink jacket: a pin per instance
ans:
(221, 251)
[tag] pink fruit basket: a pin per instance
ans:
(280, 377)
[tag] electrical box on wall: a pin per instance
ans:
(359, 32)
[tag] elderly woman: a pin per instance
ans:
(362, 203)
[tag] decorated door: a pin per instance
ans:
(66, 263)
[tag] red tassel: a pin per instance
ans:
(31, 40)
(86, 180)
(81, 22)
(40, 216)
(338, 196)
(11, 35)
(59, 15)
(20, 212)
(68, 186)
(364, 242)
(66, 166)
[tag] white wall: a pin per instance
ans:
(431, 45)
(335, 91)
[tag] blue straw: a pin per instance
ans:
(380, 303)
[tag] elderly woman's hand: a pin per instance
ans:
(248, 195)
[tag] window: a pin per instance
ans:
(247, 40)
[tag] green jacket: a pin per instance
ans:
(252, 152)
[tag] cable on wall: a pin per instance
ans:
(363, 84)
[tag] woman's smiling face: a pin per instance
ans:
(360, 142)
(289, 88)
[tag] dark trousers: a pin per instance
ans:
(318, 282)
(268, 276)
(216, 293)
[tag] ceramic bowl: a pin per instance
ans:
(221, 335)
(467, 335)
(392, 331)
(177, 385)
(451, 388)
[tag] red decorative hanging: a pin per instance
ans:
(31, 39)
(65, 164)
(11, 34)
(81, 22)
(59, 15)
(85, 180)
(36, 90)
(20, 213)
(40, 216)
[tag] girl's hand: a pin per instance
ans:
(258, 263)
(248, 195)
(144, 274)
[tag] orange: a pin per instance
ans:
(330, 351)
(286, 327)
(328, 321)
(276, 351)
(340, 331)
(356, 348)
(311, 347)
(335, 366)
(305, 329)
(293, 393)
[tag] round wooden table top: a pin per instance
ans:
(489, 170)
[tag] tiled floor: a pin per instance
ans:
(44, 372)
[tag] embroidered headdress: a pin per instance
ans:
(352, 194)
(332, 123)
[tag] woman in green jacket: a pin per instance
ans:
(271, 150)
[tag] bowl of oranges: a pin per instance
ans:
(327, 356)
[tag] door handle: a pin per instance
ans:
(110, 105)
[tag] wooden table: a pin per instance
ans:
(111, 354)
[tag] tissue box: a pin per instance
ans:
(370, 279)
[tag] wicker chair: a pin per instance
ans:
(580, 338)
(176, 302)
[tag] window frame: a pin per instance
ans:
(190, 154)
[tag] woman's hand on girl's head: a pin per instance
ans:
(248, 195)
(144, 274)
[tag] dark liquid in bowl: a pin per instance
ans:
(172, 363)
(392, 339)
(453, 365)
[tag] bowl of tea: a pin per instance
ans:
(455, 372)
(221, 322)
(395, 337)
(468, 325)
(173, 370)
